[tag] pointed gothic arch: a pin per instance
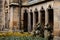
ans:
(36, 15)
(25, 21)
(31, 20)
(50, 17)
(42, 11)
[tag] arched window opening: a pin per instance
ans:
(36, 15)
(31, 15)
(25, 20)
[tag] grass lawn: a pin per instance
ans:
(18, 36)
(22, 38)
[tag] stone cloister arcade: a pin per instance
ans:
(28, 17)
(32, 16)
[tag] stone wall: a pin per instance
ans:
(57, 18)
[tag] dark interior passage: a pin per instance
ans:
(25, 21)
(50, 18)
(31, 15)
(36, 15)
(42, 11)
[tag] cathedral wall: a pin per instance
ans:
(57, 18)
(1, 14)
(16, 17)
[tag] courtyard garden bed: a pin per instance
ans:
(19, 36)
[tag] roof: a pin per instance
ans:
(37, 3)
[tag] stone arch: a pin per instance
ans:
(50, 16)
(25, 21)
(42, 11)
(36, 15)
(31, 19)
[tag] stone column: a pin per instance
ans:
(11, 18)
(29, 23)
(46, 22)
(39, 17)
(33, 21)
(22, 19)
